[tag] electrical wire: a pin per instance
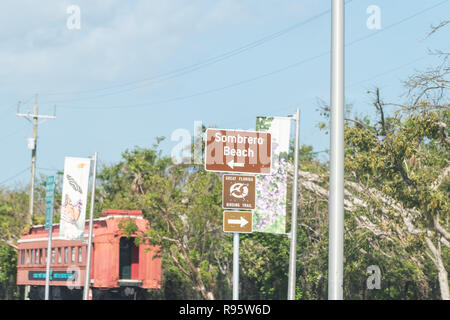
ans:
(12, 133)
(15, 176)
(261, 76)
(194, 67)
(356, 83)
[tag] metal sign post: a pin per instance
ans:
(293, 246)
(89, 245)
(49, 196)
(237, 222)
(235, 266)
(336, 201)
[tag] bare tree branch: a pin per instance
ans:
(10, 243)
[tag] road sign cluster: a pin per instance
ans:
(238, 151)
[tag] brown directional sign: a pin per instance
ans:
(238, 192)
(238, 151)
(237, 221)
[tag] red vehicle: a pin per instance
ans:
(119, 268)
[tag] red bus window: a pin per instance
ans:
(38, 256)
(80, 256)
(73, 255)
(32, 256)
(22, 256)
(53, 255)
(46, 253)
(66, 255)
(59, 255)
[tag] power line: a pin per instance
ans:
(194, 67)
(261, 76)
(11, 134)
(201, 93)
(14, 105)
(355, 83)
(48, 169)
(398, 22)
(15, 176)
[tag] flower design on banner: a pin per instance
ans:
(271, 190)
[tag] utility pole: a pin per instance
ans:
(336, 200)
(32, 144)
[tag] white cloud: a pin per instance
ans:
(117, 41)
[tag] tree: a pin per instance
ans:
(8, 261)
(13, 212)
(182, 204)
(402, 162)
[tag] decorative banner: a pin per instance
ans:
(271, 190)
(74, 198)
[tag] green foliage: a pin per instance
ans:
(13, 213)
(8, 257)
(8, 261)
(403, 156)
(128, 226)
(182, 206)
(264, 268)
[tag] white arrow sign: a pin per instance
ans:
(233, 164)
(242, 221)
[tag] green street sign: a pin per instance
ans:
(49, 197)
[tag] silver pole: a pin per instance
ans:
(49, 255)
(235, 266)
(293, 248)
(89, 245)
(336, 201)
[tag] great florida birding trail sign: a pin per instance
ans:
(238, 192)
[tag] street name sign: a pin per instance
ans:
(238, 192)
(237, 221)
(238, 151)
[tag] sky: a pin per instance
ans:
(137, 70)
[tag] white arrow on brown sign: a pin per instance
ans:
(237, 221)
